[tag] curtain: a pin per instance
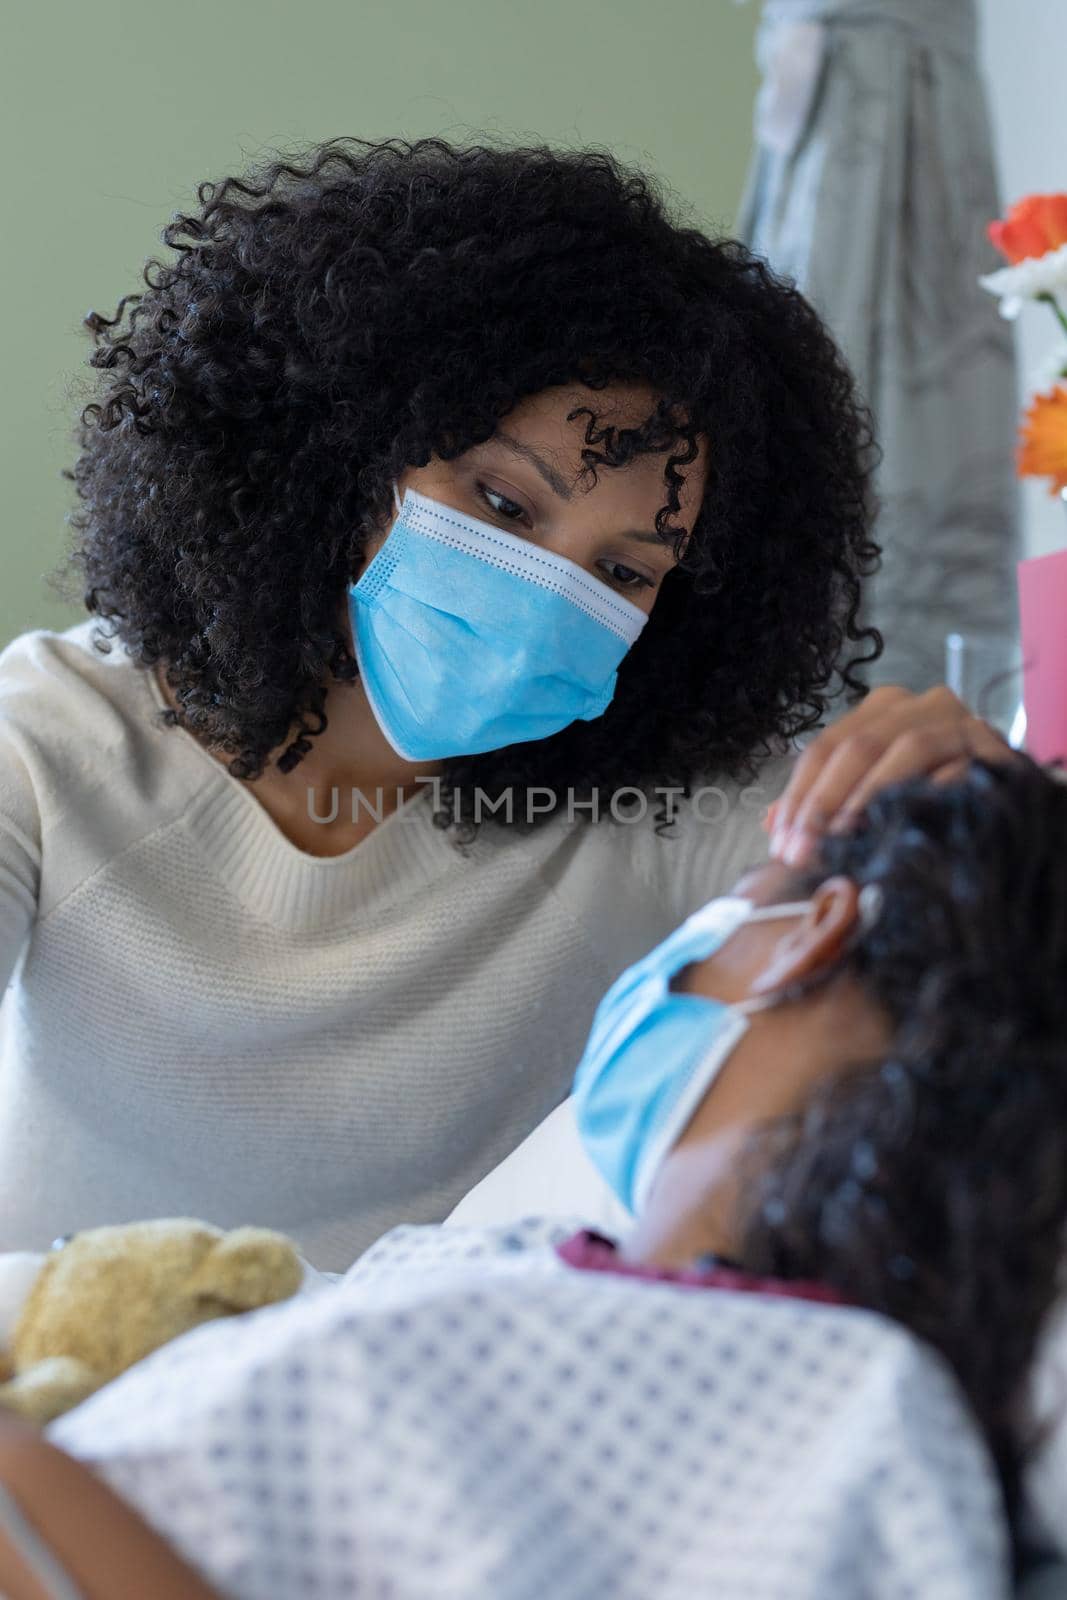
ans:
(870, 186)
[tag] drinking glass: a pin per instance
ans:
(985, 670)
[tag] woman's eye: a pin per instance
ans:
(626, 577)
(490, 496)
(622, 576)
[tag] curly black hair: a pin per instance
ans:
(335, 317)
(933, 1188)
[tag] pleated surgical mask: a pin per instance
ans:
(469, 638)
(652, 1054)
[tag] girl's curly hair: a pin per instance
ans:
(332, 320)
(934, 1187)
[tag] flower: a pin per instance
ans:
(1032, 227)
(1043, 441)
(1037, 275)
(1052, 369)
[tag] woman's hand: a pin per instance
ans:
(894, 734)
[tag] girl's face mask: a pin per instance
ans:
(652, 1054)
(469, 638)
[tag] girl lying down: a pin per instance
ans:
(836, 1107)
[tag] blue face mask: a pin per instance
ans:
(652, 1054)
(469, 638)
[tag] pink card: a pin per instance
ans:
(1043, 627)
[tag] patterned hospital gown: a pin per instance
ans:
(467, 1414)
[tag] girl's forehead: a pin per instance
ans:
(765, 882)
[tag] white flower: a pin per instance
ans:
(1052, 370)
(1025, 281)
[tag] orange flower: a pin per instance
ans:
(1043, 442)
(1032, 227)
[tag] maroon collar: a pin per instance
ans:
(594, 1252)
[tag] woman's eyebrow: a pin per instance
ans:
(556, 482)
(545, 468)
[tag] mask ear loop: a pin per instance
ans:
(785, 908)
(869, 909)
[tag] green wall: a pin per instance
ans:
(112, 113)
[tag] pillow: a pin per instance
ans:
(549, 1174)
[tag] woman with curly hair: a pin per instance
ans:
(398, 727)
(802, 1370)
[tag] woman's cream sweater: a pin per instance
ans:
(201, 1019)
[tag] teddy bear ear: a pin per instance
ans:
(246, 1268)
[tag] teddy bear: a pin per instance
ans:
(74, 1317)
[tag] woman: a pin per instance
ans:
(800, 1372)
(308, 888)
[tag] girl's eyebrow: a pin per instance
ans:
(557, 483)
(662, 539)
